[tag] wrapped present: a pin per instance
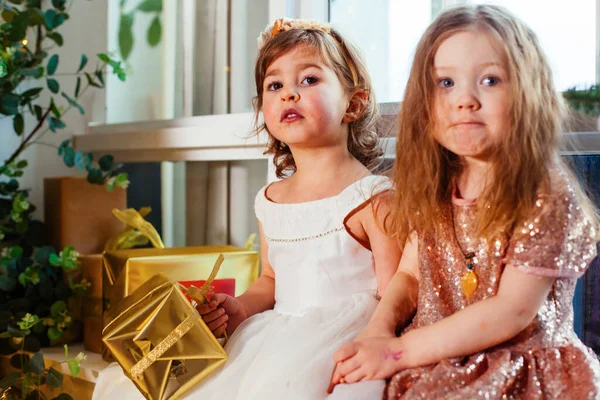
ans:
(160, 340)
(126, 270)
(77, 213)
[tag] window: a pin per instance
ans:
(387, 31)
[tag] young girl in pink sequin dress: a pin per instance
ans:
(498, 231)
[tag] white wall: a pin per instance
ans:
(85, 32)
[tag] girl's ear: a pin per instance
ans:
(356, 106)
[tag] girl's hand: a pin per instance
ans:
(368, 359)
(222, 313)
(374, 331)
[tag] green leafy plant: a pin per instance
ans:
(31, 371)
(154, 33)
(585, 101)
(33, 276)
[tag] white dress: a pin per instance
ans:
(325, 293)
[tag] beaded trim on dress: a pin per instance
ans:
(300, 222)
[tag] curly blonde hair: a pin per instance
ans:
(424, 170)
(345, 60)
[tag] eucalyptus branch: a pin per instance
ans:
(23, 145)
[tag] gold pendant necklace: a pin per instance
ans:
(469, 281)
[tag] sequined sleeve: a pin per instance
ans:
(558, 240)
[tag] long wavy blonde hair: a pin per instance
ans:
(343, 57)
(424, 170)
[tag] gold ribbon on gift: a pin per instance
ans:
(137, 233)
(199, 295)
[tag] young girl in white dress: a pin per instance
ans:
(325, 255)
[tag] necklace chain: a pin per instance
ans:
(467, 255)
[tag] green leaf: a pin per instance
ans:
(103, 57)
(69, 157)
(74, 367)
(10, 379)
(90, 80)
(150, 6)
(19, 124)
(32, 92)
(63, 145)
(42, 255)
(38, 112)
(8, 16)
(79, 160)
(54, 378)
(59, 4)
(60, 18)
(16, 332)
(53, 85)
(122, 180)
(125, 35)
(3, 69)
(15, 1)
(82, 63)
(19, 360)
(56, 37)
(16, 251)
(7, 283)
(106, 162)
(77, 86)
(154, 32)
(36, 17)
(52, 64)
(100, 76)
(36, 364)
(35, 72)
(73, 103)
(19, 27)
(49, 17)
(54, 109)
(53, 333)
(54, 260)
(87, 160)
(95, 176)
(9, 104)
(58, 307)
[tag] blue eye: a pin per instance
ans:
(490, 81)
(445, 83)
(274, 86)
(309, 80)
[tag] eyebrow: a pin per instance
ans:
(300, 67)
(487, 64)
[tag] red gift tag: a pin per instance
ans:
(226, 286)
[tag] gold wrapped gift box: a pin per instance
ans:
(127, 270)
(160, 340)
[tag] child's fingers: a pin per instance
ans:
(346, 351)
(220, 330)
(207, 307)
(347, 367)
(355, 376)
(218, 322)
(211, 316)
(335, 379)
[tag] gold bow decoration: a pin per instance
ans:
(137, 233)
(160, 340)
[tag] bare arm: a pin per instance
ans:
(399, 301)
(260, 296)
(486, 323)
(473, 329)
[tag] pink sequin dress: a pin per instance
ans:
(544, 361)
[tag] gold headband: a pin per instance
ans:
(286, 24)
